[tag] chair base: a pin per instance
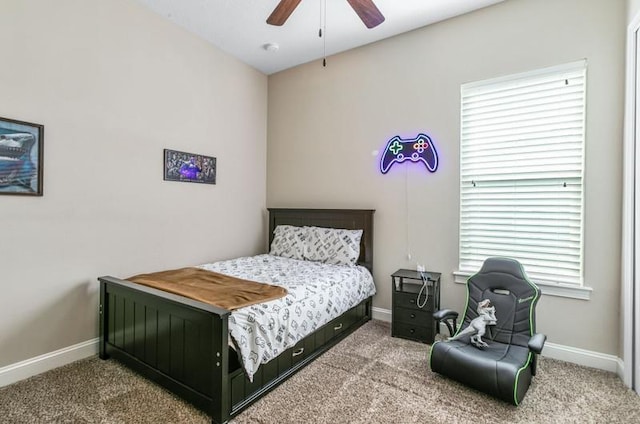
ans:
(500, 370)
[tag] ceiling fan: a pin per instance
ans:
(366, 10)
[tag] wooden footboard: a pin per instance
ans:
(182, 344)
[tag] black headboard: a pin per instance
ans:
(351, 219)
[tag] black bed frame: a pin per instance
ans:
(182, 344)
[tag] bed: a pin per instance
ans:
(184, 344)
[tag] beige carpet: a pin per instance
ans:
(368, 378)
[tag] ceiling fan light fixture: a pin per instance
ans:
(271, 47)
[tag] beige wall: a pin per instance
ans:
(325, 122)
(113, 83)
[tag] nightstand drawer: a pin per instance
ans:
(412, 316)
(408, 300)
(414, 332)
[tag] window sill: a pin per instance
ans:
(560, 290)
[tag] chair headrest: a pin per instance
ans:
(505, 274)
(503, 265)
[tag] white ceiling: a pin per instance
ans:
(239, 27)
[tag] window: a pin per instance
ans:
(521, 168)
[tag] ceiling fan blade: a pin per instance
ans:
(282, 12)
(368, 12)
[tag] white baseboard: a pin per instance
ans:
(574, 355)
(30, 367)
(620, 369)
(381, 314)
(584, 357)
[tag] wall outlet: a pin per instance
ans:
(420, 268)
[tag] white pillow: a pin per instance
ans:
(289, 241)
(333, 245)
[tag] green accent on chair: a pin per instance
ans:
(466, 305)
(533, 302)
(515, 384)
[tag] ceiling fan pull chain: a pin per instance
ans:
(320, 23)
(324, 40)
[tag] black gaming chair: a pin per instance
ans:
(504, 368)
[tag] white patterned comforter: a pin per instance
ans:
(317, 293)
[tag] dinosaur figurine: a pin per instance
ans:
(486, 316)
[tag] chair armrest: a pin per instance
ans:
(445, 314)
(536, 342)
(449, 318)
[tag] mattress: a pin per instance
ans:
(317, 293)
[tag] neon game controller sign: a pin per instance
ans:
(419, 149)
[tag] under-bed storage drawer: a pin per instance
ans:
(334, 327)
(295, 354)
(299, 352)
(242, 390)
(340, 324)
(309, 345)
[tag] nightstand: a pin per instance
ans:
(412, 318)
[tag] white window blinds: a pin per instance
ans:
(521, 195)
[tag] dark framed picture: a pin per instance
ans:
(21, 145)
(189, 167)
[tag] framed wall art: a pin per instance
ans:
(189, 167)
(21, 145)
